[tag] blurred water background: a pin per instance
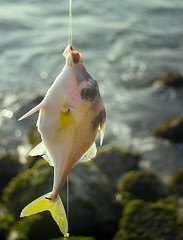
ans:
(125, 45)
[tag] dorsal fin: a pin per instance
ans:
(40, 150)
(91, 153)
(102, 133)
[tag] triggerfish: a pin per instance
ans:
(70, 116)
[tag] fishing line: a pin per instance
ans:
(67, 234)
(67, 198)
(69, 42)
(70, 24)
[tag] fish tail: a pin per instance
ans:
(32, 111)
(55, 207)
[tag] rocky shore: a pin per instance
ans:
(111, 197)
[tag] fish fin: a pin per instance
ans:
(32, 111)
(102, 132)
(40, 150)
(40, 116)
(55, 207)
(91, 153)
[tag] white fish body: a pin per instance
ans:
(70, 115)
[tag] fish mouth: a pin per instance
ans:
(75, 57)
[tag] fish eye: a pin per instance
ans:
(88, 93)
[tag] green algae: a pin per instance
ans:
(142, 221)
(5, 222)
(25, 186)
(33, 136)
(141, 184)
(176, 183)
(75, 238)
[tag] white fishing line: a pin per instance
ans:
(67, 198)
(70, 23)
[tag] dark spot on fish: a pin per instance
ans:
(99, 120)
(88, 93)
(75, 57)
(48, 198)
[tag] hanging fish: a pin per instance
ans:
(70, 116)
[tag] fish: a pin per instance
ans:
(70, 115)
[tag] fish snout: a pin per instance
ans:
(76, 57)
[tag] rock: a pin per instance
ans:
(91, 186)
(89, 190)
(27, 186)
(75, 238)
(141, 220)
(14, 235)
(6, 220)
(172, 130)
(115, 161)
(170, 78)
(34, 136)
(142, 185)
(9, 168)
(176, 183)
(36, 227)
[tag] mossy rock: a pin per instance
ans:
(142, 221)
(75, 238)
(9, 166)
(33, 136)
(6, 220)
(89, 189)
(114, 161)
(14, 235)
(36, 227)
(27, 186)
(172, 130)
(176, 183)
(142, 185)
(170, 78)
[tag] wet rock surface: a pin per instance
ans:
(170, 78)
(172, 130)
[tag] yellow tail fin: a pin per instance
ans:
(56, 208)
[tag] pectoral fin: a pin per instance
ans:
(102, 132)
(91, 153)
(40, 150)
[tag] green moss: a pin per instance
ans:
(5, 222)
(9, 168)
(123, 160)
(33, 136)
(141, 184)
(75, 238)
(141, 220)
(24, 225)
(176, 183)
(24, 187)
